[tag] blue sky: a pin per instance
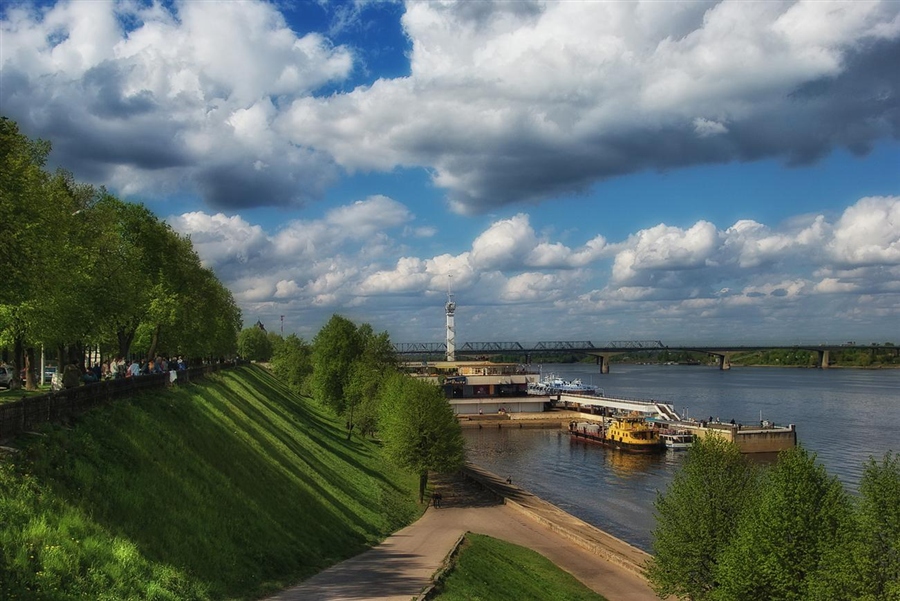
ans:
(693, 172)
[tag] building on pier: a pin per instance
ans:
(482, 387)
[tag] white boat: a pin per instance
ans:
(677, 440)
(551, 385)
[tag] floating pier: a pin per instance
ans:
(766, 437)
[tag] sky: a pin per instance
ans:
(690, 172)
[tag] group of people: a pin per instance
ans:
(118, 368)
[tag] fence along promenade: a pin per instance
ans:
(28, 412)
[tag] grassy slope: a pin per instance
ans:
(226, 489)
(493, 570)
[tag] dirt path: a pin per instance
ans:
(402, 566)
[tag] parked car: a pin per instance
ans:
(49, 372)
(34, 372)
(7, 376)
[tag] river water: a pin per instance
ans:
(844, 416)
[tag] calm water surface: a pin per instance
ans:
(844, 416)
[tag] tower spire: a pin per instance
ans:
(451, 328)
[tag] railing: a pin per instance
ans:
(23, 415)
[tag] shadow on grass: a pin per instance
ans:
(212, 480)
(265, 385)
(288, 454)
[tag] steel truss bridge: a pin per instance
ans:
(607, 349)
(573, 346)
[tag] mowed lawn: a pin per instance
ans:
(488, 569)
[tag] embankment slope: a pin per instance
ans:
(229, 488)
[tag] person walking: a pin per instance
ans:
(71, 376)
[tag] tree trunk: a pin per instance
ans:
(154, 341)
(124, 337)
(350, 422)
(76, 354)
(16, 383)
(30, 383)
(423, 483)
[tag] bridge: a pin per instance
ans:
(604, 351)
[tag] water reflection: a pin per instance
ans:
(629, 465)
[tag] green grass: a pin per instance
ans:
(226, 489)
(9, 395)
(487, 569)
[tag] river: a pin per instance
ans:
(844, 416)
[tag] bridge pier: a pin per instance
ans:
(824, 358)
(723, 360)
(603, 362)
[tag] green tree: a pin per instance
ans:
(865, 564)
(83, 268)
(334, 350)
(879, 527)
(208, 320)
(253, 344)
(696, 518)
(777, 552)
(419, 430)
(376, 360)
(26, 226)
(292, 363)
(275, 342)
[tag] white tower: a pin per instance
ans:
(451, 329)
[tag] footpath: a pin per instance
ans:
(402, 567)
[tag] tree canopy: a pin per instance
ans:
(254, 344)
(418, 427)
(85, 269)
(334, 349)
(292, 363)
(697, 518)
(781, 540)
(786, 532)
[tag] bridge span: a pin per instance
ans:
(604, 351)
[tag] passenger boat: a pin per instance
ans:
(677, 441)
(551, 385)
(626, 432)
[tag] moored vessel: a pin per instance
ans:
(677, 441)
(553, 385)
(625, 432)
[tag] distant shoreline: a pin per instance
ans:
(739, 365)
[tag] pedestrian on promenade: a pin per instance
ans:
(71, 375)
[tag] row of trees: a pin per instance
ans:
(851, 356)
(83, 269)
(727, 530)
(355, 372)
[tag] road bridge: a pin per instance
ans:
(605, 350)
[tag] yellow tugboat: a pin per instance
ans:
(626, 432)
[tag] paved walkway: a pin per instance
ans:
(402, 566)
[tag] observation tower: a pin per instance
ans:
(451, 328)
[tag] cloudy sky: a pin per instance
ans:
(693, 172)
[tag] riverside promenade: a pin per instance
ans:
(401, 568)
